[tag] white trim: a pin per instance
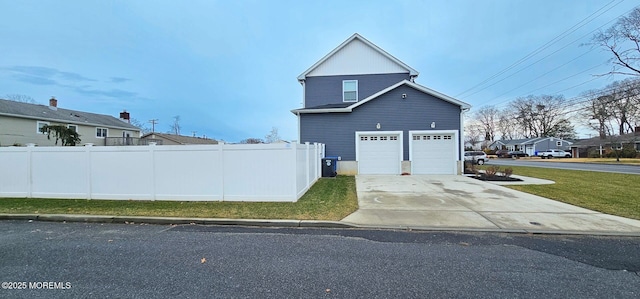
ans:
(101, 128)
(419, 87)
(38, 125)
(349, 81)
(455, 137)
(400, 141)
(412, 73)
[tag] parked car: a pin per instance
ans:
(518, 154)
(554, 153)
(477, 157)
(502, 153)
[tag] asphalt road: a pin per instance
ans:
(622, 168)
(147, 261)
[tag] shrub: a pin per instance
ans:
(491, 171)
(508, 171)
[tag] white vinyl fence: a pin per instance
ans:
(223, 172)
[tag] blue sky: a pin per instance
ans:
(229, 68)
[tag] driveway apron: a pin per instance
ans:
(459, 202)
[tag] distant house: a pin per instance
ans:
(365, 106)
(20, 124)
(172, 139)
(596, 145)
(531, 146)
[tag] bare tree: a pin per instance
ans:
(542, 116)
(597, 112)
(623, 41)
(175, 127)
(486, 117)
(272, 136)
(144, 129)
(252, 141)
(20, 98)
(506, 125)
(473, 133)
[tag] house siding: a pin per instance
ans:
(551, 144)
(415, 112)
(22, 131)
(324, 90)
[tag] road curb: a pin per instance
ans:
(286, 223)
(175, 220)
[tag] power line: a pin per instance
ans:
(543, 47)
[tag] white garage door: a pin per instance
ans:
(379, 153)
(433, 153)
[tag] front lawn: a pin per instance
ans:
(610, 193)
(328, 199)
(631, 161)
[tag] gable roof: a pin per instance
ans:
(180, 138)
(350, 106)
(55, 114)
(597, 141)
(528, 141)
(357, 37)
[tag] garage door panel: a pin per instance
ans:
(379, 154)
(433, 153)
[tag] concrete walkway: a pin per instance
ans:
(458, 202)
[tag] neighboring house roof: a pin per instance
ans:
(357, 37)
(527, 141)
(348, 107)
(597, 141)
(180, 139)
(56, 114)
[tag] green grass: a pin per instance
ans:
(328, 199)
(610, 193)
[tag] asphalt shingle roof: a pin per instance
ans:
(42, 112)
(182, 139)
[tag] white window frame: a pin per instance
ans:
(38, 126)
(75, 126)
(558, 143)
(343, 91)
(106, 132)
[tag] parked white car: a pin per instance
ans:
(554, 153)
(478, 157)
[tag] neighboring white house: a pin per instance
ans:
(531, 145)
(20, 124)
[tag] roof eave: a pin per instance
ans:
(68, 121)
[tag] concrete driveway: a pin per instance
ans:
(459, 202)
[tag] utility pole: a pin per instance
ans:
(153, 125)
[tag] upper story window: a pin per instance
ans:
(73, 127)
(101, 132)
(558, 143)
(39, 126)
(350, 90)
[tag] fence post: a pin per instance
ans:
(87, 149)
(221, 168)
(30, 147)
(152, 153)
(316, 161)
(307, 167)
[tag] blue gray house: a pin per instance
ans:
(364, 104)
(532, 146)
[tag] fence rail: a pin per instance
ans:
(222, 172)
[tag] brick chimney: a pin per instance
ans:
(53, 102)
(124, 116)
